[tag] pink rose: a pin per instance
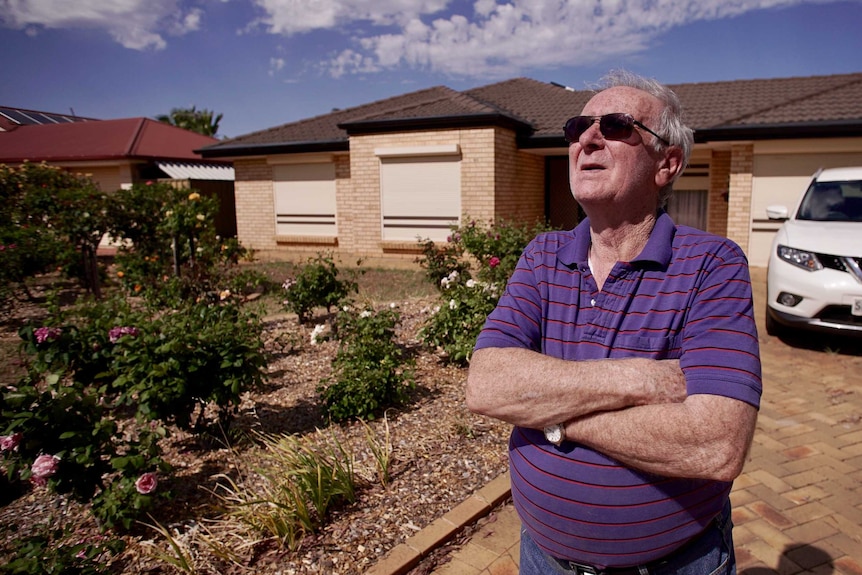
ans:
(44, 467)
(146, 483)
(10, 442)
(44, 334)
(116, 333)
(494, 261)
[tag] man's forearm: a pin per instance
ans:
(529, 389)
(705, 437)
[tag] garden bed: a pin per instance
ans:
(441, 453)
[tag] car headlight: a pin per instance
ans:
(800, 258)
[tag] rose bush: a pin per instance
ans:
(470, 270)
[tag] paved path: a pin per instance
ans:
(797, 506)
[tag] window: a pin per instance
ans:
(688, 208)
(305, 199)
(420, 192)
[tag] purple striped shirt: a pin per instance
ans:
(687, 296)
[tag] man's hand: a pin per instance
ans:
(664, 382)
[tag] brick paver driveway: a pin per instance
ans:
(798, 504)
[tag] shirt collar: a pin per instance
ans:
(658, 248)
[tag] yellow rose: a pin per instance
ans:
(194, 196)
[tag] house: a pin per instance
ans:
(369, 180)
(119, 153)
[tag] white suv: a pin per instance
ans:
(814, 279)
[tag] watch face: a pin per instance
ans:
(554, 434)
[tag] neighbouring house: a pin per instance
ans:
(119, 153)
(369, 180)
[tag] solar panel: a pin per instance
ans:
(17, 116)
(31, 117)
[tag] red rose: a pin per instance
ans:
(494, 261)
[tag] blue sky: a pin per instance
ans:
(263, 63)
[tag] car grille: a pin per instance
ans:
(852, 266)
(840, 314)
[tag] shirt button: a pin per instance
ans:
(593, 301)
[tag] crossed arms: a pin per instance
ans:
(634, 410)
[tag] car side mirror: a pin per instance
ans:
(777, 212)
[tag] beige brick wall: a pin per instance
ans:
(739, 201)
(255, 210)
(719, 182)
(520, 182)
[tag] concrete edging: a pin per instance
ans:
(407, 555)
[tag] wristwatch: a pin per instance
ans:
(556, 434)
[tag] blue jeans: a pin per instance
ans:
(710, 554)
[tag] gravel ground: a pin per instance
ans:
(441, 453)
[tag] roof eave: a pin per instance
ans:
(782, 131)
(271, 149)
(434, 122)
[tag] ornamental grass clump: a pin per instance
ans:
(301, 480)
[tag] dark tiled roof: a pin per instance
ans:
(103, 140)
(325, 128)
(541, 109)
(775, 101)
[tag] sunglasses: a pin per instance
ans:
(617, 126)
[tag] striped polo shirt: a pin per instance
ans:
(687, 296)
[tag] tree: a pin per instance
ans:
(200, 121)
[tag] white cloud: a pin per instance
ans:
(296, 16)
(276, 65)
(477, 38)
(496, 38)
(135, 24)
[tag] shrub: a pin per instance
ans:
(317, 285)
(459, 318)
(53, 551)
(46, 214)
(108, 364)
(370, 371)
(171, 254)
(184, 360)
(470, 270)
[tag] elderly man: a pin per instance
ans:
(625, 354)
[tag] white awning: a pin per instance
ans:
(192, 171)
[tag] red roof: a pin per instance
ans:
(129, 138)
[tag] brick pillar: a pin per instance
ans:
(739, 202)
(719, 184)
(255, 206)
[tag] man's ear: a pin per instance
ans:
(669, 166)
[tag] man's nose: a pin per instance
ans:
(592, 136)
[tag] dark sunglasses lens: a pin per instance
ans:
(576, 126)
(616, 126)
(612, 126)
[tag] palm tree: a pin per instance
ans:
(200, 121)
